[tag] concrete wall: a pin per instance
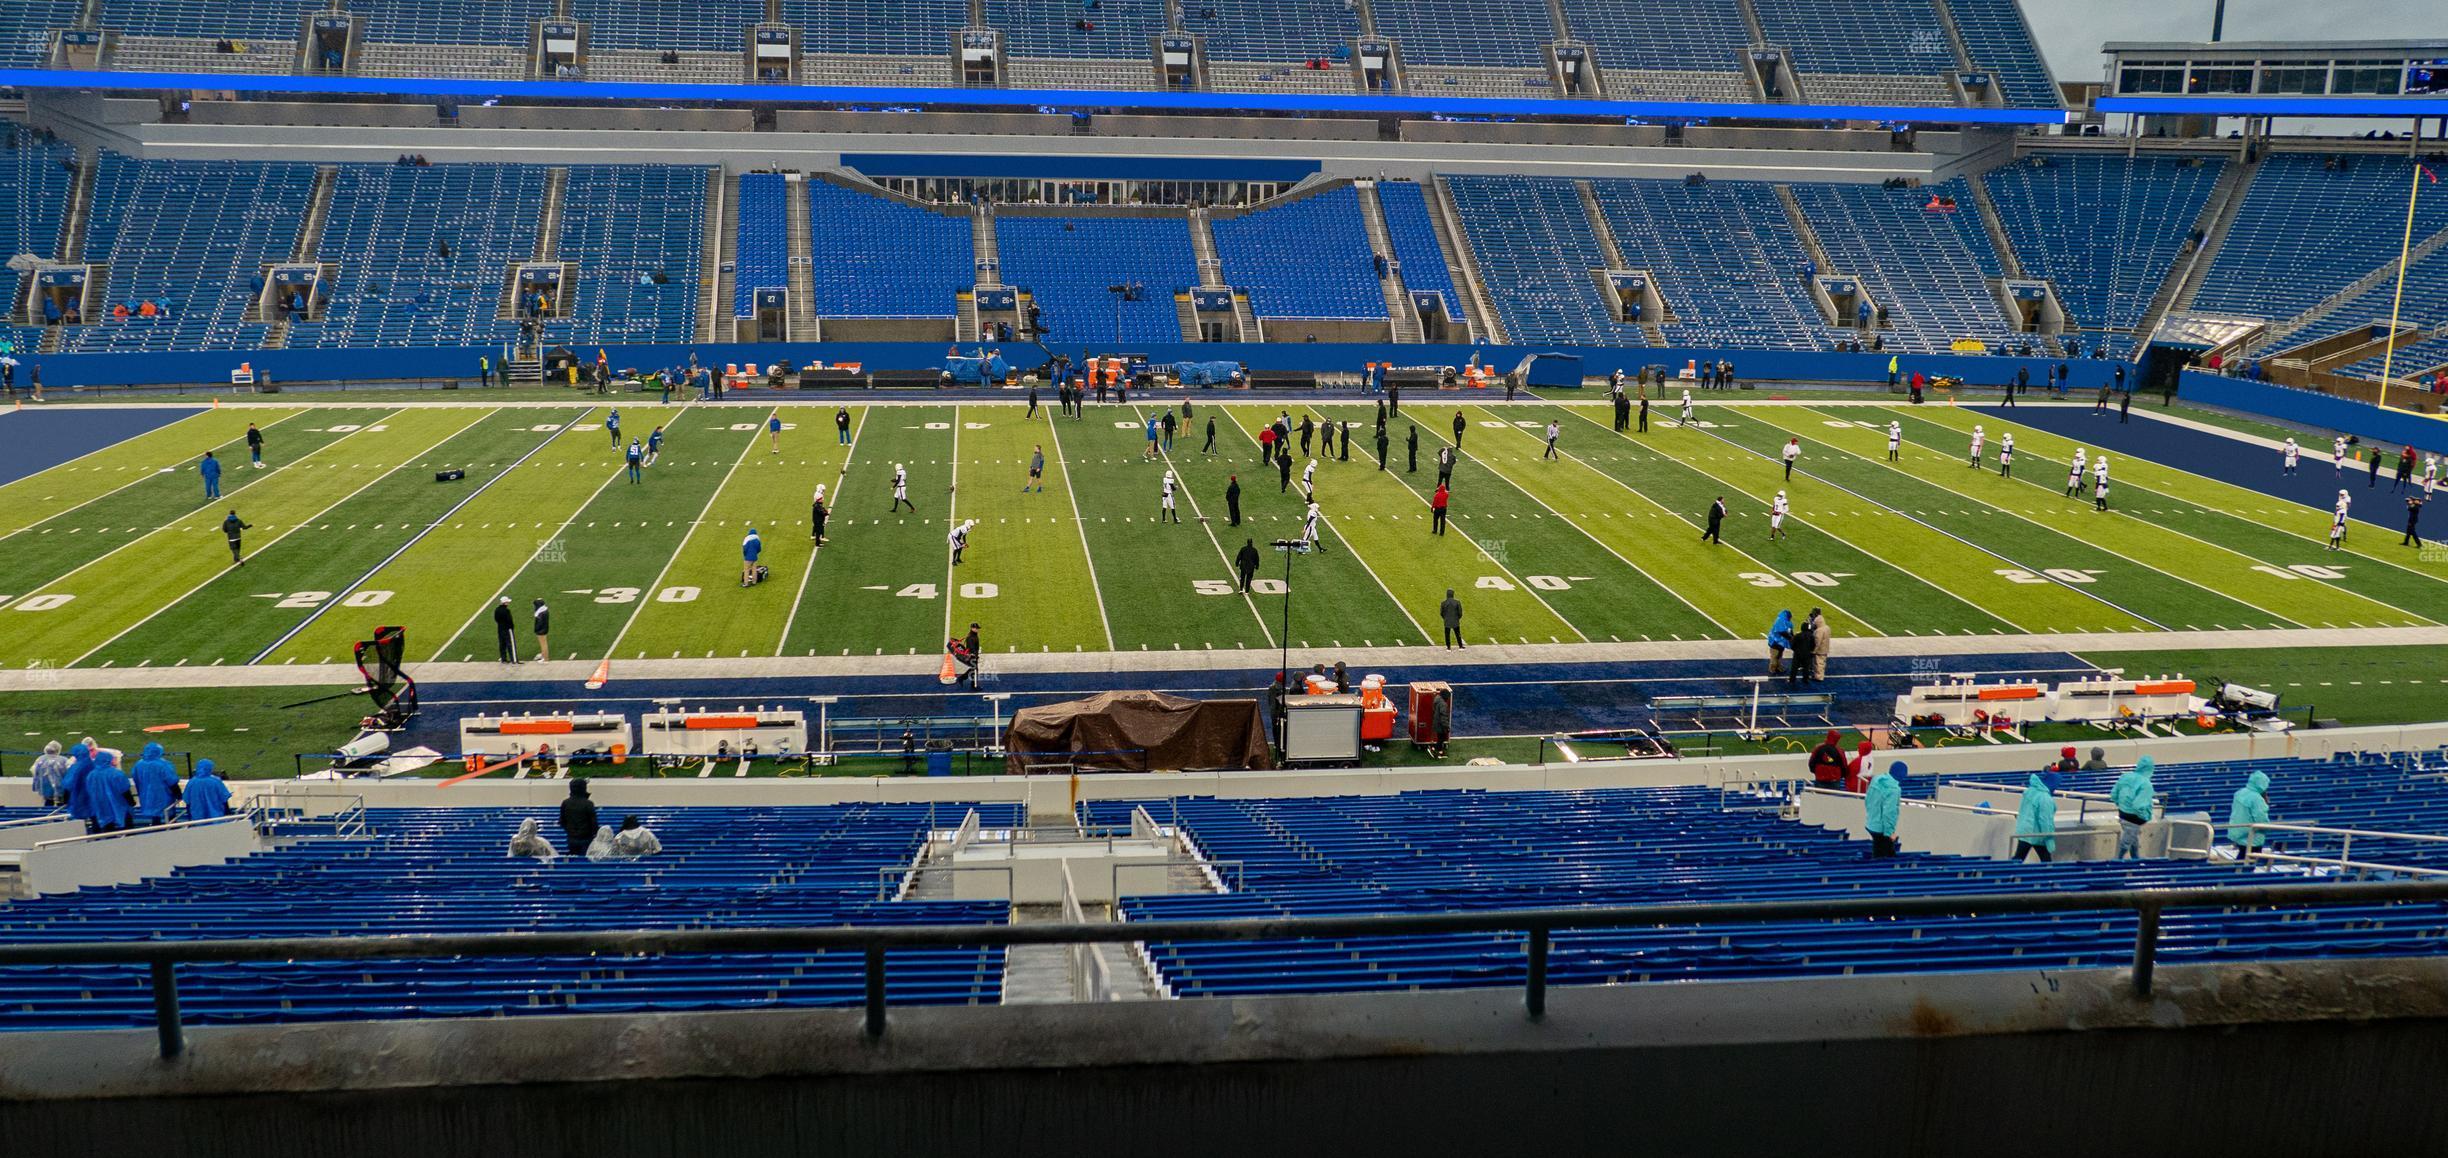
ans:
(119, 858)
(2301, 1058)
(2391, 428)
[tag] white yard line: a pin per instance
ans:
(274, 540)
(647, 595)
(1201, 516)
(841, 482)
(1055, 429)
(141, 477)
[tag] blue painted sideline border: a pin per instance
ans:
(767, 94)
(378, 365)
(2313, 408)
(34, 440)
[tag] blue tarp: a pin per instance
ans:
(1550, 369)
(971, 369)
(1206, 373)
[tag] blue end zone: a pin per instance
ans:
(2229, 460)
(1490, 699)
(37, 440)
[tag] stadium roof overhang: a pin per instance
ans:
(2240, 105)
(464, 90)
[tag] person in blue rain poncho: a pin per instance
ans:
(108, 794)
(1780, 637)
(157, 786)
(208, 797)
(72, 783)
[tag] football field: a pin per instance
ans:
(116, 558)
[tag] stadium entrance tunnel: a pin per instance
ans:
(2342, 1052)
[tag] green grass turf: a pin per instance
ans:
(2131, 528)
(445, 578)
(1550, 525)
(83, 484)
(312, 573)
(1852, 568)
(1025, 578)
(52, 547)
(877, 585)
(770, 490)
(2240, 424)
(1334, 600)
(2354, 686)
(114, 592)
(2283, 532)
(1853, 458)
(1385, 521)
(617, 554)
(247, 732)
(1150, 569)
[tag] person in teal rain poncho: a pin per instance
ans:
(1882, 803)
(2250, 807)
(2134, 797)
(2036, 821)
(1780, 637)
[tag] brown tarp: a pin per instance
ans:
(1139, 732)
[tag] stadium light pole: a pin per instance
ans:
(1283, 671)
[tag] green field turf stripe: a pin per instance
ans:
(1620, 592)
(1152, 567)
(832, 488)
(1025, 578)
(247, 584)
(2020, 554)
(876, 586)
(770, 491)
(615, 555)
(445, 578)
(2047, 553)
(2127, 528)
(1340, 601)
(1853, 563)
(2205, 539)
(2286, 533)
(317, 570)
(74, 538)
(1731, 583)
(1213, 516)
(80, 486)
(1387, 524)
(69, 616)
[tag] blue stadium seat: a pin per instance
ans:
(622, 225)
(694, 26)
(878, 258)
(887, 27)
(1695, 35)
(195, 235)
(1308, 258)
(1725, 259)
(385, 229)
(1424, 262)
(1067, 263)
(1273, 31)
(1117, 29)
(443, 870)
(1535, 250)
(2002, 45)
(2307, 230)
(1509, 33)
(2104, 228)
(763, 251)
(1930, 268)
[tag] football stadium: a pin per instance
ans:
(589, 574)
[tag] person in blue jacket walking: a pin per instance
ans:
(750, 548)
(210, 468)
(2036, 821)
(1780, 637)
(157, 786)
(108, 795)
(208, 798)
(1882, 804)
(2250, 807)
(2135, 797)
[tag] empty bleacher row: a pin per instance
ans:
(879, 258)
(1893, 50)
(388, 230)
(193, 238)
(1460, 851)
(634, 232)
(2310, 226)
(1305, 259)
(2105, 229)
(443, 870)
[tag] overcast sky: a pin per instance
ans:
(2071, 31)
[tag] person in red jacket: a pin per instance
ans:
(1436, 510)
(1857, 773)
(1827, 762)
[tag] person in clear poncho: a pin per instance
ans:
(531, 843)
(634, 840)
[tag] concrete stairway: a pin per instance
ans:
(718, 255)
(801, 325)
(1397, 294)
(1451, 239)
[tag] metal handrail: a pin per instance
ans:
(1537, 925)
(2339, 861)
(140, 830)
